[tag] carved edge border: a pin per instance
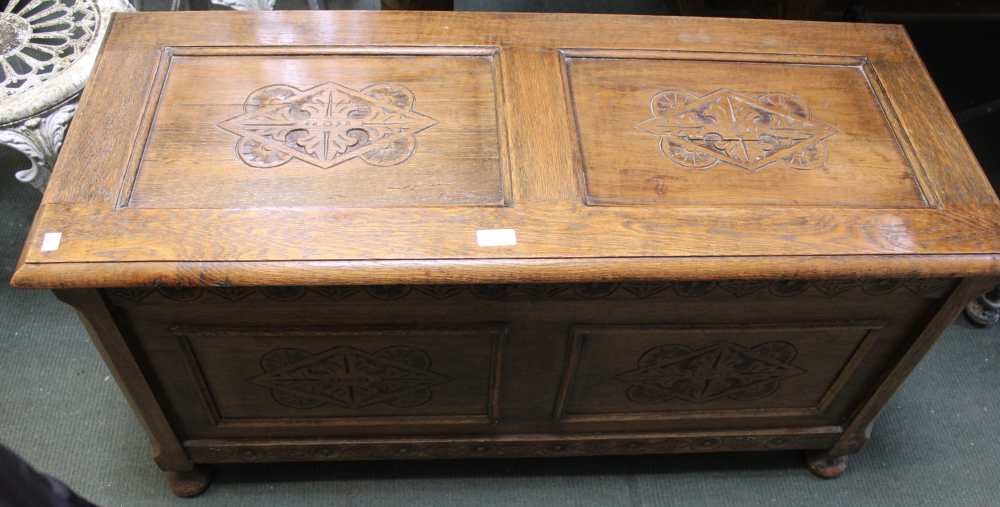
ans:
(862, 63)
(497, 345)
(162, 70)
(846, 373)
(507, 446)
(204, 390)
(930, 288)
(579, 335)
(137, 150)
(899, 133)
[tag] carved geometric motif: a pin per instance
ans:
(397, 376)
(327, 125)
(721, 370)
(751, 132)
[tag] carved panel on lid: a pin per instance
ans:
(330, 127)
(679, 128)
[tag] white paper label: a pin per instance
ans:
(496, 237)
(50, 242)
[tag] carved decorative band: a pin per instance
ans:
(782, 288)
(499, 447)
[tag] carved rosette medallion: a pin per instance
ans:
(721, 370)
(347, 377)
(326, 125)
(751, 132)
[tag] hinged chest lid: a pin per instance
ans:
(359, 147)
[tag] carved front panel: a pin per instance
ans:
(276, 376)
(662, 128)
(427, 359)
(670, 371)
(397, 127)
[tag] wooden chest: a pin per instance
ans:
(347, 235)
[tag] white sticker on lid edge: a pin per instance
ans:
(496, 237)
(50, 241)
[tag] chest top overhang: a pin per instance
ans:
(375, 147)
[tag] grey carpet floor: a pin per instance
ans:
(937, 443)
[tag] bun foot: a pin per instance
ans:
(823, 465)
(190, 483)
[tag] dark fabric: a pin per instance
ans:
(23, 486)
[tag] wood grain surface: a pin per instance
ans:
(325, 140)
(790, 133)
(297, 362)
(456, 160)
(717, 235)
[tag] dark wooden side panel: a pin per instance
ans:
(858, 431)
(114, 348)
(215, 147)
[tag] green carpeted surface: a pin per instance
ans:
(937, 443)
